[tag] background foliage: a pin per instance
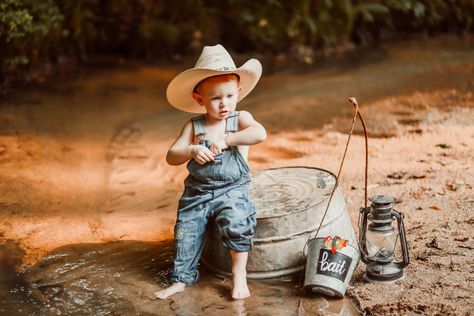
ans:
(39, 32)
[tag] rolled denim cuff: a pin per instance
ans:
(186, 278)
(241, 245)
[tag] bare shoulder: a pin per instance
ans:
(186, 132)
(187, 127)
(246, 119)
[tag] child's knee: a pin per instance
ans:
(237, 228)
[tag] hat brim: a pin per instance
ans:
(180, 90)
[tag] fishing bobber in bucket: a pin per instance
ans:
(290, 203)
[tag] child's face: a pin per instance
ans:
(218, 95)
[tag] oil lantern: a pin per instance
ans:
(378, 240)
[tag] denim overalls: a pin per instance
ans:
(217, 191)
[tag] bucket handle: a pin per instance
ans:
(353, 101)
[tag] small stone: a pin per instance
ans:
(433, 244)
(423, 256)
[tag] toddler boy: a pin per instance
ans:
(216, 146)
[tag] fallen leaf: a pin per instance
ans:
(435, 207)
(444, 146)
(417, 131)
(396, 175)
(451, 186)
(414, 176)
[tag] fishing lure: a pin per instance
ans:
(335, 243)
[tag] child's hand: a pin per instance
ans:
(201, 154)
(216, 148)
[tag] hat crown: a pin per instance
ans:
(215, 58)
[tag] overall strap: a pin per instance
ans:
(232, 122)
(199, 126)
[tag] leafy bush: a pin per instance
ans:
(28, 31)
(33, 32)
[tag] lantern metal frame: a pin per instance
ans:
(386, 270)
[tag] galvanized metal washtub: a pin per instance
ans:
(289, 203)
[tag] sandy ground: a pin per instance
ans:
(82, 161)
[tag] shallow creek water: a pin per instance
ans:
(118, 278)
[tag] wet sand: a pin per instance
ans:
(83, 163)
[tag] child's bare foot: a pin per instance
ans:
(173, 289)
(240, 289)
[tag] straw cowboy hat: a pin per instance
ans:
(214, 60)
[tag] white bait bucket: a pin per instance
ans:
(329, 270)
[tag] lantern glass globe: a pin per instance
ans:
(381, 246)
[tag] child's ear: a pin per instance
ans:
(239, 89)
(198, 98)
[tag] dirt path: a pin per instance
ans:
(83, 160)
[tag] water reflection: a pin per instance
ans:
(119, 278)
(238, 307)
